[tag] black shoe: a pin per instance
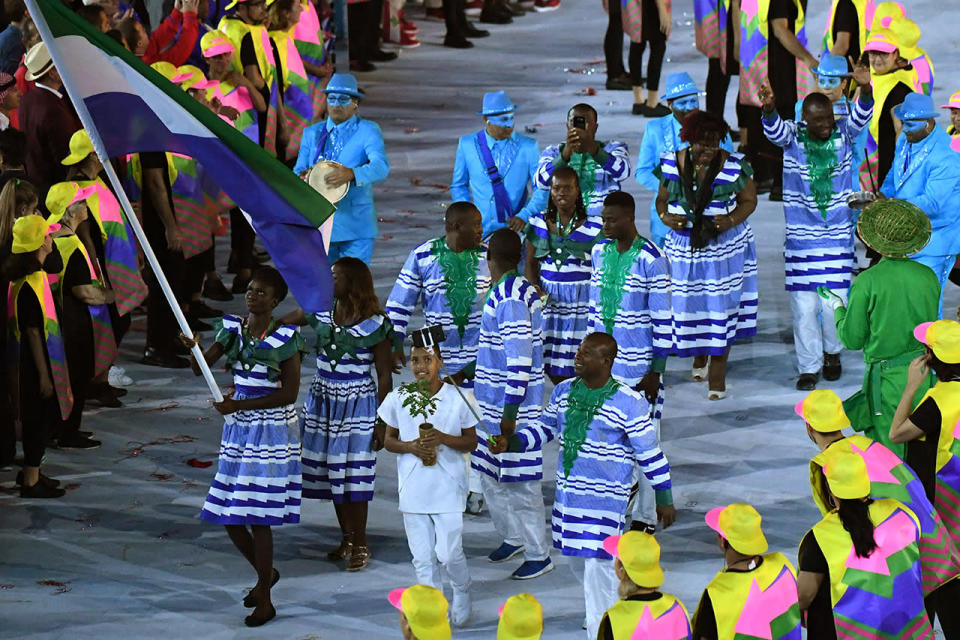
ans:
(103, 395)
(655, 112)
(154, 358)
(457, 42)
(240, 284)
(77, 442)
(620, 83)
(197, 324)
(734, 135)
(357, 66)
(40, 490)
(215, 290)
(764, 186)
(643, 527)
(379, 55)
(472, 32)
(807, 381)
(831, 366)
(200, 309)
(53, 483)
(494, 17)
(637, 109)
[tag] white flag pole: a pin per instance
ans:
(66, 75)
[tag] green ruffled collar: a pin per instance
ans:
(616, 266)
(459, 270)
(582, 406)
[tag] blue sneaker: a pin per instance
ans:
(532, 569)
(504, 552)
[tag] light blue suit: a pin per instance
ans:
(927, 173)
(518, 168)
(355, 222)
(660, 136)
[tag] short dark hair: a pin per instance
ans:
(91, 13)
(504, 245)
(272, 278)
(944, 371)
(456, 211)
(699, 124)
(117, 36)
(620, 199)
(816, 99)
(13, 146)
(582, 106)
(605, 341)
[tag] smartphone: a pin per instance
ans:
(579, 122)
(428, 336)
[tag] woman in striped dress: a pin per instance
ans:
(340, 431)
(706, 195)
(558, 263)
(258, 472)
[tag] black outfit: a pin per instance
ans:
(650, 33)
(363, 29)
(820, 614)
(718, 78)
(76, 327)
(704, 621)
(606, 629)
(613, 41)
(887, 142)
(248, 57)
(8, 435)
(242, 237)
(162, 328)
(846, 19)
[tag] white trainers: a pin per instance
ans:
(460, 610)
(118, 377)
(474, 503)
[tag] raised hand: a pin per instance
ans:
(767, 98)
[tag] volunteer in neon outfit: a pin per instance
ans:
(860, 550)
(423, 612)
(521, 618)
(890, 477)
(756, 591)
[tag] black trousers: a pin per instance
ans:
(39, 417)
(613, 41)
(196, 270)
(8, 433)
(162, 327)
(363, 28)
(718, 83)
(658, 47)
(242, 237)
(943, 603)
(765, 157)
(455, 16)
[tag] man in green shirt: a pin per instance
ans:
(885, 303)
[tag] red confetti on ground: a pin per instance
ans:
(387, 238)
(592, 62)
(199, 464)
(138, 447)
(172, 405)
(589, 91)
(71, 486)
(409, 130)
(61, 586)
(161, 476)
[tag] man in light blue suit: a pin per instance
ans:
(357, 144)
(663, 136)
(926, 172)
(496, 166)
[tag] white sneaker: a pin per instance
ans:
(460, 611)
(474, 503)
(118, 377)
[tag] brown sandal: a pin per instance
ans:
(343, 551)
(359, 559)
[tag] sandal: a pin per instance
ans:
(250, 600)
(359, 559)
(716, 395)
(343, 551)
(699, 373)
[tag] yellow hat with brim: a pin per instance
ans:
(521, 618)
(739, 524)
(62, 195)
(885, 13)
(164, 68)
(80, 147)
(29, 232)
(213, 43)
(640, 554)
(846, 474)
(823, 410)
(191, 77)
(943, 338)
(882, 40)
(425, 609)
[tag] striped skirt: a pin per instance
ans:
(258, 471)
(713, 291)
(339, 462)
(564, 325)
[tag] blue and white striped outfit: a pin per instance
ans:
(340, 411)
(641, 325)
(611, 166)
(591, 502)
(423, 281)
(818, 249)
(509, 375)
(258, 478)
(714, 289)
(565, 269)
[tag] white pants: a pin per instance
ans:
(436, 539)
(814, 330)
(518, 514)
(600, 585)
(475, 485)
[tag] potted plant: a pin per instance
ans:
(419, 402)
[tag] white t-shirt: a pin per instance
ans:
(442, 487)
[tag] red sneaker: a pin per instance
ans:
(474, 8)
(542, 6)
(407, 41)
(406, 25)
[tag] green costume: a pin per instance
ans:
(886, 302)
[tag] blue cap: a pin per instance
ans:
(916, 106)
(832, 66)
(343, 83)
(495, 103)
(679, 85)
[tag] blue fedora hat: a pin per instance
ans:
(343, 83)
(916, 106)
(832, 66)
(679, 85)
(495, 103)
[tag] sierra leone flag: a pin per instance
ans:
(135, 109)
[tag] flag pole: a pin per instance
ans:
(66, 76)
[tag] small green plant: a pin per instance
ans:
(417, 399)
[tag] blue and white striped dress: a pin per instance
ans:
(565, 270)
(714, 289)
(591, 501)
(597, 179)
(423, 280)
(258, 477)
(339, 462)
(509, 375)
(818, 249)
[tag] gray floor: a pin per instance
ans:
(124, 555)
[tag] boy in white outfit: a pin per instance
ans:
(431, 473)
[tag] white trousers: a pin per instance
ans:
(518, 514)
(435, 540)
(474, 484)
(814, 330)
(600, 585)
